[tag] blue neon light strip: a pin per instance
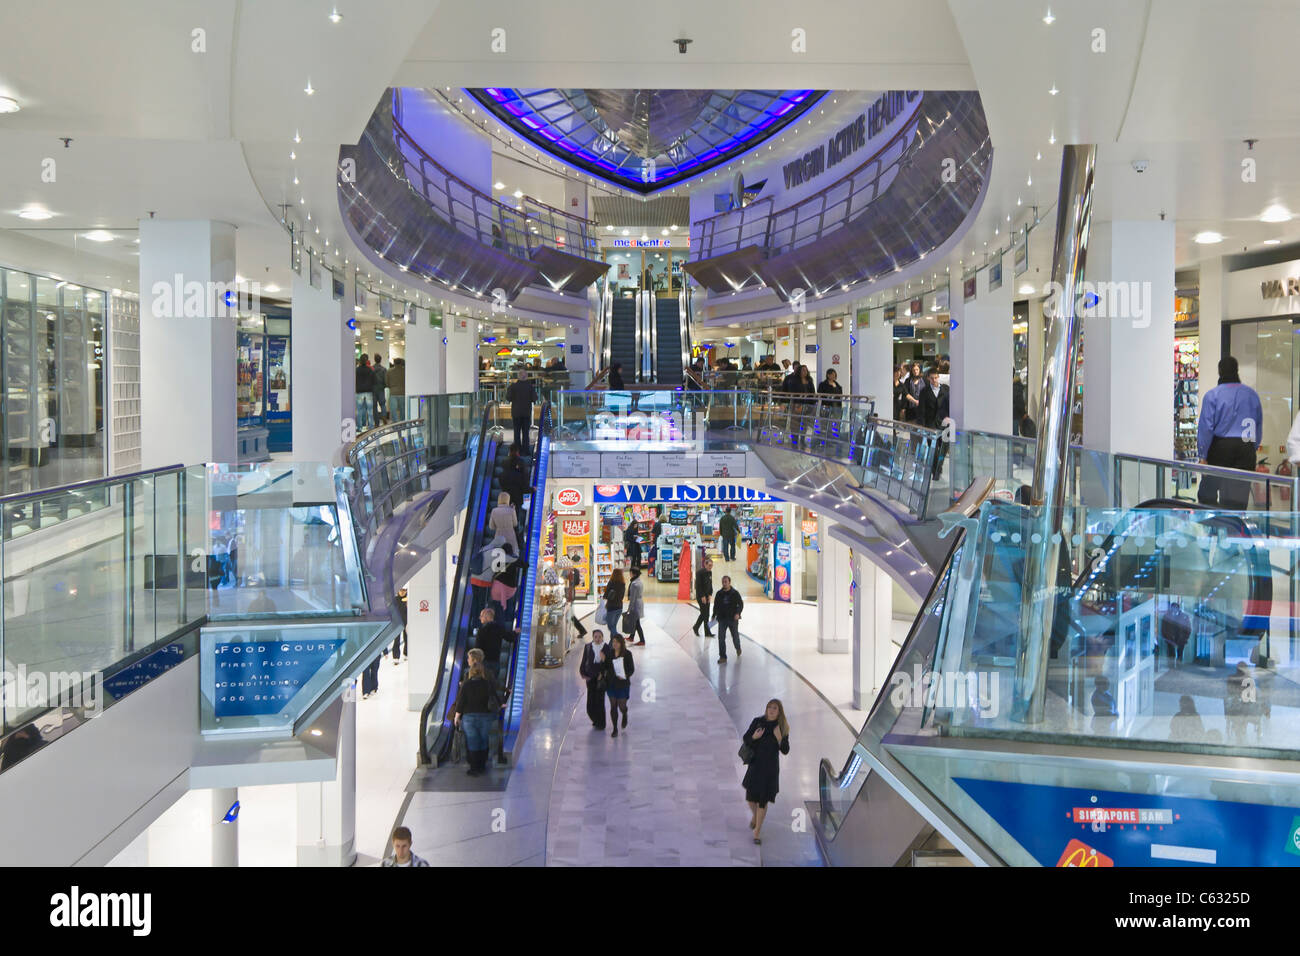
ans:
(524, 652)
(511, 106)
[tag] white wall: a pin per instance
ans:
(873, 361)
(426, 369)
(981, 350)
(460, 353)
(833, 350)
(448, 139)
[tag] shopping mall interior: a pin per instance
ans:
(927, 424)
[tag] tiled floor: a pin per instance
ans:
(666, 791)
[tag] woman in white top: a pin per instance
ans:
(502, 521)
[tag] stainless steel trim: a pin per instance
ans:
(1052, 453)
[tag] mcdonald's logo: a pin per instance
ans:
(1078, 853)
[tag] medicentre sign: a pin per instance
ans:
(689, 492)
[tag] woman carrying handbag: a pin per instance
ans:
(760, 747)
(618, 678)
(635, 609)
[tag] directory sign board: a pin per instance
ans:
(261, 677)
(721, 465)
(624, 464)
(672, 466)
(575, 464)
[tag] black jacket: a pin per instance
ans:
(934, 408)
(379, 379)
(489, 640)
(826, 388)
(614, 594)
(589, 667)
(521, 396)
(703, 585)
(477, 695)
(514, 482)
(727, 603)
(365, 380)
(616, 380)
(612, 681)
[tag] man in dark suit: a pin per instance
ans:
(521, 395)
(594, 655)
(934, 410)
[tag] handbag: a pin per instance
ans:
(629, 623)
(746, 753)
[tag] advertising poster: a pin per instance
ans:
(277, 377)
(968, 288)
(781, 572)
(1072, 827)
(995, 274)
(575, 544)
(1020, 245)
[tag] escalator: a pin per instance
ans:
(1162, 678)
(669, 360)
(623, 337)
(437, 732)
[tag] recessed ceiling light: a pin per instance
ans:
(1271, 242)
(1275, 213)
(99, 235)
(35, 212)
(1049, 19)
(519, 194)
(1026, 289)
(1051, 140)
(1208, 237)
(308, 88)
(9, 105)
(498, 185)
(625, 232)
(1053, 91)
(335, 16)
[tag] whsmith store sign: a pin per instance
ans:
(852, 138)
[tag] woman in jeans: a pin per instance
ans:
(769, 737)
(618, 669)
(614, 592)
(477, 704)
(636, 607)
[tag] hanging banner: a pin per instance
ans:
(781, 572)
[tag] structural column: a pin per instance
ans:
(425, 621)
(187, 342)
(873, 646)
(1128, 339)
(834, 599)
(323, 370)
(225, 836)
(981, 348)
(327, 811)
(872, 367)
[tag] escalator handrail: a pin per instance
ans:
(967, 505)
(469, 541)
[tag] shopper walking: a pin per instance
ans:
(370, 678)
(913, 387)
(521, 395)
(402, 855)
(397, 390)
(635, 607)
(365, 385)
(632, 545)
(613, 597)
(618, 669)
(591, 669)
(379, 386)
(477, 705)
(766, 739)
(1228, 436)
(728, 530)
(703, 594)
(934, 413)
(400, 642)
(831, 391)
(727, 605)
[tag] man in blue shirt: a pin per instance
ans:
(1228, 435)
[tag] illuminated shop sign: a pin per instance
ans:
(690, 492)
(650, 243)
(850, 139)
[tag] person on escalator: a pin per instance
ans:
(502, 521)
(492, 634)
(616, 377)
(514, 481)
(505, 581)
(591, 669)
(477, 705)
(521, 395)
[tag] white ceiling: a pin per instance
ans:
(157, 126)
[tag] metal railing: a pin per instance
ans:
(519, 229)
(780, 230)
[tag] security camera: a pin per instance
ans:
(1140, 165)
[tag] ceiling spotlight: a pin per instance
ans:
(683, 43)
(673, 228)
(99, 235)
(519, 194)
(271, 288)
(1049, 19)
(292, 154)
(1039, 155)
(1271, 242)
(1051, 140)
(1275, 213)
(1208, 237)
(1053, 91)
(297, 137)
(35, 212)
(308, 88)
(1029, 180)
(335, 16)
(9, 105)
(498, 185)
(1026, 289)
(664, 232)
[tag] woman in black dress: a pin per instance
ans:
(618, 668)
(768, 736)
